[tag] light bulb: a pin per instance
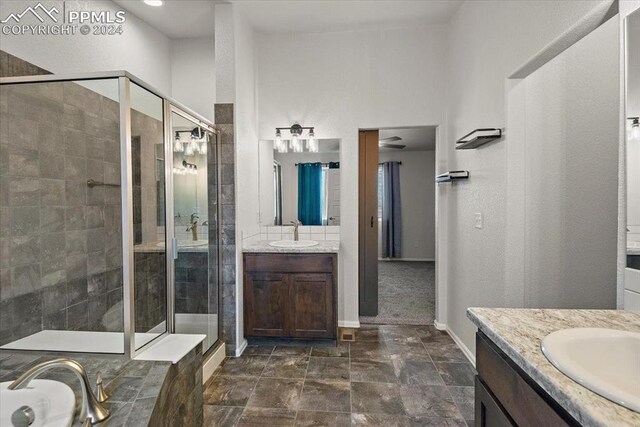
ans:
(203, 147)
(296, 146)
(189, 150)
(312, 142)
(177, 145)
(635, 132)
(277, 145)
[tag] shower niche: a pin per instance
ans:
(108, 222)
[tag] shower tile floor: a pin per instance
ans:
(406, 293)
(393, 375)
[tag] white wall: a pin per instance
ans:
(236, 70)
(489, 40)
(141, 49)
(417, 201)
(193, 73)
(633, 110)
(339, 82)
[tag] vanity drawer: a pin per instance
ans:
(289, 263)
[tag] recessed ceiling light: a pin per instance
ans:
(153, 2)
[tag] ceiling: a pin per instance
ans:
(176, 18)
(415, 138)
(196, 18)
(310, 16)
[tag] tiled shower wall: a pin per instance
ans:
(60, 241)
(224, 122)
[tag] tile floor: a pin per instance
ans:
(392, 376)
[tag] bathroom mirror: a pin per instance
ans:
(633, 139)
(302, 186)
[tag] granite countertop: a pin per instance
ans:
(323, 246)
(519, 332)
(133, 386)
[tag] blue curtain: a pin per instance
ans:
(391, 211)
(310, 193)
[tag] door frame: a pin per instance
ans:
(441, 222)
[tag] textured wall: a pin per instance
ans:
(488, 41)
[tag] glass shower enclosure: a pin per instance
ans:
(109, 236)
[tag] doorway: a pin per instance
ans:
(397, 232)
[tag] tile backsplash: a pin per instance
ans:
(285, 232)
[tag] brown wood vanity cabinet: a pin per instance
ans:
(507, 396)
(290, 295)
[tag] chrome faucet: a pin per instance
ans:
(193, 227)
(91, 408)
(296, 224)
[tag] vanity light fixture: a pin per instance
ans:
(634, 132)
(196, 144)
(296, 144)
(155, 3)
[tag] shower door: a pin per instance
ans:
(195, 222)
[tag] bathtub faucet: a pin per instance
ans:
(91, 408)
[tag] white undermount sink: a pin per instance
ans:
(53, 403)
(606, 361)
(293, 243)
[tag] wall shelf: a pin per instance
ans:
(478, 138)
(452, 176)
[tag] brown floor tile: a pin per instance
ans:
(286, 367)
(460, 374)
(416, 372)
(229, 391)
(376, 398)
(246, 366)
(264, 350)
(329, 396)
(341, 350)
(221, 416)
(322, 419)
(368, 333)
(464, 398)
(379, 420)
(292, 350)
(428, 401)
(328, 368)
(430, 335)
(279, 393)
(446, 352)
(436, 422)
(267, 417)
(365, 370)
(369, 350)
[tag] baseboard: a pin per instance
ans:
(212, 362)
(440, 326)
(241, 347)
(406, 259)
(349, 323)
(465, 350)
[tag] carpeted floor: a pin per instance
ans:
(406, 293)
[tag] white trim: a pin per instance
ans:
(404, 259)
(212, 363)
(465, 350)
(241, 348)
(349, 323)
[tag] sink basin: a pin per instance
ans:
(606, 361)
(293, 243)
(53, 403)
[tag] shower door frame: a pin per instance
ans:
(169, 105)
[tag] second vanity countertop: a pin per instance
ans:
(519, 332)
(323, 246)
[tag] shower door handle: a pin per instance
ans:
(371, 221)
(174, 248)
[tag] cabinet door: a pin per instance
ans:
(488, 412)
(312, 311)
(266, 305)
